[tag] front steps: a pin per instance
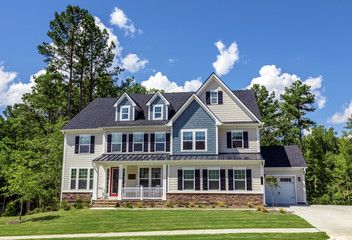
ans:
(105, 203)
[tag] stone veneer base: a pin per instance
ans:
(71, 197)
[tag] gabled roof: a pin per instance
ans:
(158, 93)
(123, 96)
(282, 156)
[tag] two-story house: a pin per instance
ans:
(202, 147)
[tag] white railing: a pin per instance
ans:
(142, 193)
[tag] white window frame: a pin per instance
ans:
(245, 178)
(119, 133)
(150, 175)
(211, 97)
(79, 145)
(142, 133)
(183, 178)
(129, 113)
(194, 140)
(162, 112)
(233, 131)
(217, 169)
(77, 179)
(160, 142)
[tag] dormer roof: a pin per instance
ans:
(122, 97)
(158, 93)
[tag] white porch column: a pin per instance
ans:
(102, 189)
(304, 185)
(119, 195)
(164, 182)
(95, 182)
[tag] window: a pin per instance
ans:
(116, 142)
(138, 142)
(158, 112)
(240, 179)
(144, 177)
(107, 180)
(285, 179)
(237, 139)
(150, 177)
(91, 178)
(73, 178)
(214, 179)
(156, 177)
(125, 113)
(82, 179)
(84, 143)
(188, 179)
(214, 97)
(194, 140)
(160, 142)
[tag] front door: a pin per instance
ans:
(114, 182)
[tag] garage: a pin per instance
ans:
(285, 194)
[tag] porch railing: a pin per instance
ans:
(142, 192)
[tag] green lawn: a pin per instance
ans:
(101, 221)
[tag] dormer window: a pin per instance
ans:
(125, 113)
(214, 97)
(158, 112)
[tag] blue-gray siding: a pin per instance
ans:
(194, 117)
(157, 101)
(124, 102)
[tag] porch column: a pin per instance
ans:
(95, 182)
(304, 185)
(119, 195)
(164, 182)
(101, 189)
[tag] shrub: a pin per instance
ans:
(139, 205)
(63, 204)
(227, 206)
(152, 204)
(259, 208)
(282, 210)
(213, 206)
(200, 206)
(186, 205)
(179, 204)
(265, 210)
(78, 204)
(191, 204)
(87, 201)
(167, 204)
(47, 208)
(250, 204)
(10, 209)
(54, 208)
(67, 207)
(221, 204)
(171, 205)
(128, 205)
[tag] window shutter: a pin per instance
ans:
(167, 142)
(152, 142)
(222, 180)
(197, 179)
(261, 180)
(245, 139)
(92, 143)
(205, 179)
(179, 179)
(145, 142)
(228, 134)
(220, 101)
(130, 142)
(76, 144)
(249, 179)
(230, 172)
(124, 140)
(207, 96)
(109, 143)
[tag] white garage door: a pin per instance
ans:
(286, 194)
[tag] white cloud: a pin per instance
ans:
(307, 131)
(161, 82)
(339, 117)
(171, 60)
(132, 63)
(272, 78)
(119, 18)
(227, 58)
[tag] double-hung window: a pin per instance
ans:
(144, 177)
(194, 140)
(237, 139)
(214, 97)
(73, 178)
(214, 179)
(239, 177)
(156, 177)
(188, 179)
(125, 113)
(116, 142)
(158, 112)
(150, 177)
(84, 143)
(81, 178)
(138, 142)
(160, 140)
(91, 177)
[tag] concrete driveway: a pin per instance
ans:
(336, 221)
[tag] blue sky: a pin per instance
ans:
(168, 43)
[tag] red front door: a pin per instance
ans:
(114, 182)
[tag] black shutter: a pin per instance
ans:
(124, 140)
(205, 179)
(249, 179)
(261, 180)
(167, 142)
(109, 143)
(152, 142)
(222, 180)
(92, 143)
(179, 179)
(220, 101)
(245, 139)
(76, 144)
(228, 134)
(197, 179)
(207, 96)
(145, 142)
(230, 172)
(130, 142)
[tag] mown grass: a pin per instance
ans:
(102, 221)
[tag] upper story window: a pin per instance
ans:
(194, 140)
(160, 140)
(125, 113)
(214, 97)
(138, 142)
(116, 142)
(158, 112)
(237, 139)
(84, 143)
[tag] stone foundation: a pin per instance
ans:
(207, 199)
(71, 197)
(147, 203)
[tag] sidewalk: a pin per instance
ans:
(177, 232)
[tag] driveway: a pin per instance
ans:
(336, 221)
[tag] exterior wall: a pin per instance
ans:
(253, 140)
(229, 111)
(158, 101)
(72, 197)
(124, 102)
(297, 172)
(194, 117)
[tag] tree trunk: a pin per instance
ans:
(70, 82)
(272, 198)
(21, 208)
(91, 81)
(3, 205)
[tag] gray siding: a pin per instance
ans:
(124, 102)
(157, 101)
(194, 117)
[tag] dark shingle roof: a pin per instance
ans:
(282, 156)
(248, 99)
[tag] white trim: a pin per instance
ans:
(217, 97)
(162, 111)
(129, 112)
(77, 179)
(185, 105)
(128, 98)
(116, 133)
(304, 185)
(194, 139)
(137, 142)
(158, 93)
(150, 167)
(214, 168)
(168, 178)
(217, 140)
(119, 190)
(245, 179)
(63, 167)
(241, 131)
(160, 132)
(79, 143)
(294, 179)
(258, 140)
(164, 182)
(194, 179)
(95, 182)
